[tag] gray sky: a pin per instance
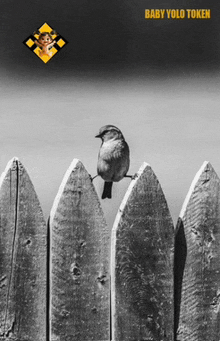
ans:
(157, 80)
(170, 122)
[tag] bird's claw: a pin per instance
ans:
(92, 178)
(133, 177)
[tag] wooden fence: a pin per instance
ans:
(70, 280)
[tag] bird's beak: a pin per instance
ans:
(97, 135)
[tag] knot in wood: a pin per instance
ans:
(75, 270)
(102, 279)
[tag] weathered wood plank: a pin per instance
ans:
(198, 236)
(23, 237)
(142, 263)
(80, 298)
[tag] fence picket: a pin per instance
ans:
(23, 239)
(197, 263)
(75, 298)
(142, 263)
(80, 299)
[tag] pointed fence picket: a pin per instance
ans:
(197, 261)
(142, 263)
(79, 261)
(23, 251)
(57, 287)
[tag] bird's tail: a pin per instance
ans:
(107, 191)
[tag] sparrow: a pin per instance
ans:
(113, 158)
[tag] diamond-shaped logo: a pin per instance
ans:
(45, 42)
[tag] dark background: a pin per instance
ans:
(110, 36)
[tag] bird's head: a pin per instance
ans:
(109, 132)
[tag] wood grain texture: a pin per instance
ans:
(142, 263)
(23, 238)
(80, 294)
(197, 263)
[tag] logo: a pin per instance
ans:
(45, 42)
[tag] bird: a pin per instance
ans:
(113, 158)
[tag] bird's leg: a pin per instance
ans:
(92, 178)
(132, 177)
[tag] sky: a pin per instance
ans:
(158, 81)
